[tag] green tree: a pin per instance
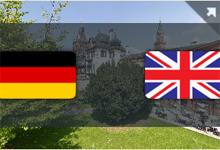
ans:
(49, 42)
(117, 91)
(14, 36)
(6, 134)
(10, 12)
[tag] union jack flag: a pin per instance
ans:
(182, 74)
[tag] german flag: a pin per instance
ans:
(37, 75)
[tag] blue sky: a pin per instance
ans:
(124, 12)
(116, 12)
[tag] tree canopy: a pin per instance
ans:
(117, 92)
(14, 36)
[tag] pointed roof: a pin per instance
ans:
(81, 33)
(160, 29)
(115, 41)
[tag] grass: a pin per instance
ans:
(112, 137)
(148, 138)
(95, 120)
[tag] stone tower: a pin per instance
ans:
(160, 43)
(80, 43)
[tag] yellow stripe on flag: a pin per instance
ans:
(37, 90)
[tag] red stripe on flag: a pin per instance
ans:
(185, 75)
(209, 89)
(37, 74)
(163, 90)
(158, 59)
(179, 74)
(204, 60)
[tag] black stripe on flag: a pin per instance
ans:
(37, 59)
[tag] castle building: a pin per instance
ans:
(80, 43)
(95, 51)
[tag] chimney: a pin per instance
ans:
(110, 34)
(193, 42)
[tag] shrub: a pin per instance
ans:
(117, 92)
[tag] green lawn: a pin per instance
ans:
(123, 137)
(94, 120)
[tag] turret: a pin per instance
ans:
(160, 43)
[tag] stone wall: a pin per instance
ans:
(81, 84)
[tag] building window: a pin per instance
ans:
(88, 55)
(103, 53)
(112, 54)
(94, 68)
(92, 53)
(89, 68)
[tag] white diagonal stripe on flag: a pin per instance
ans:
(160, 88)
(165, 59)
(203, 90)
(206, 63)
